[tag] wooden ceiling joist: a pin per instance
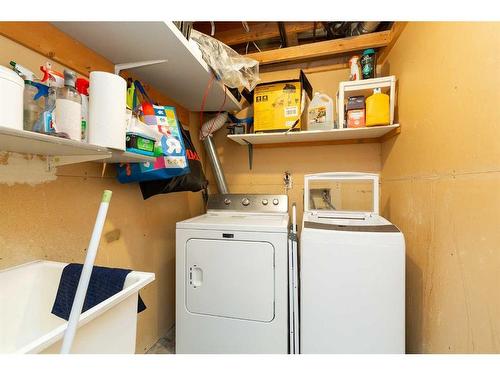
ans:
(324, 49)
(265, 30)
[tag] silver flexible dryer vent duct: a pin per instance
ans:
(208, 142)
(364, 28)
(207, 129)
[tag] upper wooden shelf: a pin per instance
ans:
(334, 136)
(384, 40)
(184, 77)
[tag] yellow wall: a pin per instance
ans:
(51, 216)
(269, 164)
(441, 183)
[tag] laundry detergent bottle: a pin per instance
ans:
(377, 109)
(320, 112)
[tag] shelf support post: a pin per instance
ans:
(250, 154)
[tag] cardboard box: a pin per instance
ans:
(279, 105)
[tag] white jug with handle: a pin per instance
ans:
(320, 112)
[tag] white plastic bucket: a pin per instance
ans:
(11, 99)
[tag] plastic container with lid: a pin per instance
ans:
(320, 112)
(11, 99)
(377, 109)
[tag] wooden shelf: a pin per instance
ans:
(339, 136)
(26, 142)
(323, 49)
(381, 40)
(184, 77)
(61, 150)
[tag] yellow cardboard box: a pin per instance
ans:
(279, 105)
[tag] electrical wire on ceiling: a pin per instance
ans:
(247, 30)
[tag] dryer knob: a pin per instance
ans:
(227, 201)
(265, 202)
(276, 201)
(245, 201)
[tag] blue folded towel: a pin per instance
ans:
(104, 283)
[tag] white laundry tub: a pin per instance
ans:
(27, 293)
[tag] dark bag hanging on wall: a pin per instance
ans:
(193, 181)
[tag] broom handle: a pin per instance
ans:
(83, 283)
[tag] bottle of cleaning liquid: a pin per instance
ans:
(32, 108)
(69, 108)
(82, 86)
(320, 112)
(377, 109)
(54, 80)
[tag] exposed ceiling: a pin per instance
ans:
(251, 37)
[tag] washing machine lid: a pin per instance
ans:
(237, 221)
(342, 194)
(351, 223)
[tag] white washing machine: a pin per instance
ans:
(352, 269)
(232, 277)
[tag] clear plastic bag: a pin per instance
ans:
(230, 67)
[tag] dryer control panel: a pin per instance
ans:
(249, 202)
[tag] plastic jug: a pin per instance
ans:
(377, 109)
(320, 112)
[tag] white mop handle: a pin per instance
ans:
(294, 218)
(83, 284)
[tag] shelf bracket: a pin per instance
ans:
(55, 161)
(124, 66)
(250, 153)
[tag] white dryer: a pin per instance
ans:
(352, 269)
(232, 277)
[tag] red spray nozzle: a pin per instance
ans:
(52, 77)
(82, 86)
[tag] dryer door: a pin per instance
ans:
(229, 278)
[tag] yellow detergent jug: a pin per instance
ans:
(377, 109)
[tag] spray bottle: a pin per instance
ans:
(35, 95)
(69, 108)
(54, 80)
(82, 86)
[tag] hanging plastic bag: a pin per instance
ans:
(193, 181)
(173, 161)
(233, 69)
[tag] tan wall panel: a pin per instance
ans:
(448, 97)
(452, 261)
(440, 182)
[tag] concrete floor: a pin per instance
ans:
(165, 345)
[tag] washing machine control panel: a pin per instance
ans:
(249, 202)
